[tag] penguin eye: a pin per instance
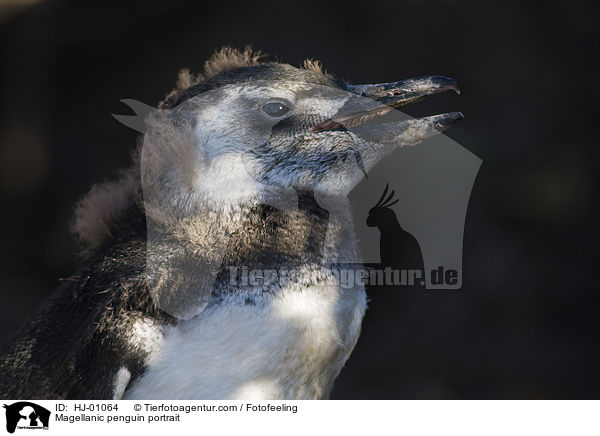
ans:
(275, 109)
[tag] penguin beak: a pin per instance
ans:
(373, 100)
(397, 94)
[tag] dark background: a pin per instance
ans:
(522, 326)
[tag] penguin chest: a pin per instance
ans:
(292, 347)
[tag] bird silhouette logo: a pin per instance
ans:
(26, 415)
(398, 249)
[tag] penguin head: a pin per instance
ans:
(263, 126)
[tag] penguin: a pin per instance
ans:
(209, 267)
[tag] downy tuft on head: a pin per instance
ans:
(316, 67)
(223, 60)
(227, 58)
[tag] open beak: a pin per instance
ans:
(373, 100)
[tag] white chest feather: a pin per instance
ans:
(292, 348)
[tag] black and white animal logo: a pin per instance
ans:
(26, 415)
